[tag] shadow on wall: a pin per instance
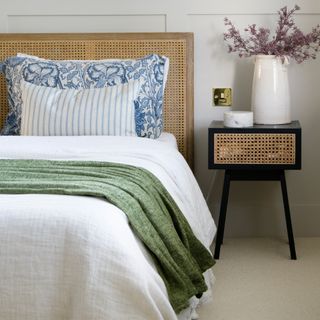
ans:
(243, 83)
(243, 71)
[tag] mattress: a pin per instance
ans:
(76, 257)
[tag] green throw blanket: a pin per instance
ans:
(154, 216)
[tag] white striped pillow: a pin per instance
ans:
(67, 112)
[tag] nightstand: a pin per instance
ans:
(261, 152)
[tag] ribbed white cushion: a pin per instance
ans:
(65, 112)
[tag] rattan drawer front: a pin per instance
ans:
(255, 148)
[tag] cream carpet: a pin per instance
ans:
(256, 280)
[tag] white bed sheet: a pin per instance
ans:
(169, 139)
(74, 257)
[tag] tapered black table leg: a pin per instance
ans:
(223, 213)
(287, 214)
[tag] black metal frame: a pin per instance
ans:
(253, 175)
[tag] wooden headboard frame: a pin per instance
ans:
(178, 104)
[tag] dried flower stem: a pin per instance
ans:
(288, 41)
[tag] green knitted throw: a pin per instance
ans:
(152, 213)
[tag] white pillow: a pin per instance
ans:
(64, 112)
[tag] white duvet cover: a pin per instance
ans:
(75, 257)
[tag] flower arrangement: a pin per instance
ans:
(288, 42)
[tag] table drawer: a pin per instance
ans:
(257, 150)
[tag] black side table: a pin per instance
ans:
(261, 152)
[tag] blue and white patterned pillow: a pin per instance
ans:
(67, 74)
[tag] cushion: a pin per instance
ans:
(63, 112)
(76, 74)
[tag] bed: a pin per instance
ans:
(77, 257)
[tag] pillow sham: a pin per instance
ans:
(76, 74)
(63, 112)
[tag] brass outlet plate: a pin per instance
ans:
(222, 96)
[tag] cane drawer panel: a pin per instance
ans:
(254, 148)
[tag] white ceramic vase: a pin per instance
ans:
(270, 99)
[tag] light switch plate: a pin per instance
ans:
(222, 96)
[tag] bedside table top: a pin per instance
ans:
(293, 125)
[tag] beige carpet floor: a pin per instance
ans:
(256, 280)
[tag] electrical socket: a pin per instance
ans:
(222, 97)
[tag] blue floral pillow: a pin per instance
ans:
(66, 74)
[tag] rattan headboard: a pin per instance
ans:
(178, 105)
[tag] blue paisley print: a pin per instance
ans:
(75, 74)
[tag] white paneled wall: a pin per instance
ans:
(86, 23)
(255, 208)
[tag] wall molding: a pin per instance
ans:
(21, 22)
(248, 14)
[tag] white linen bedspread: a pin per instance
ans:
(75, 257)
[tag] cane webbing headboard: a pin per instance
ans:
(178, 104)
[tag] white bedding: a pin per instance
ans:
(74, 257)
